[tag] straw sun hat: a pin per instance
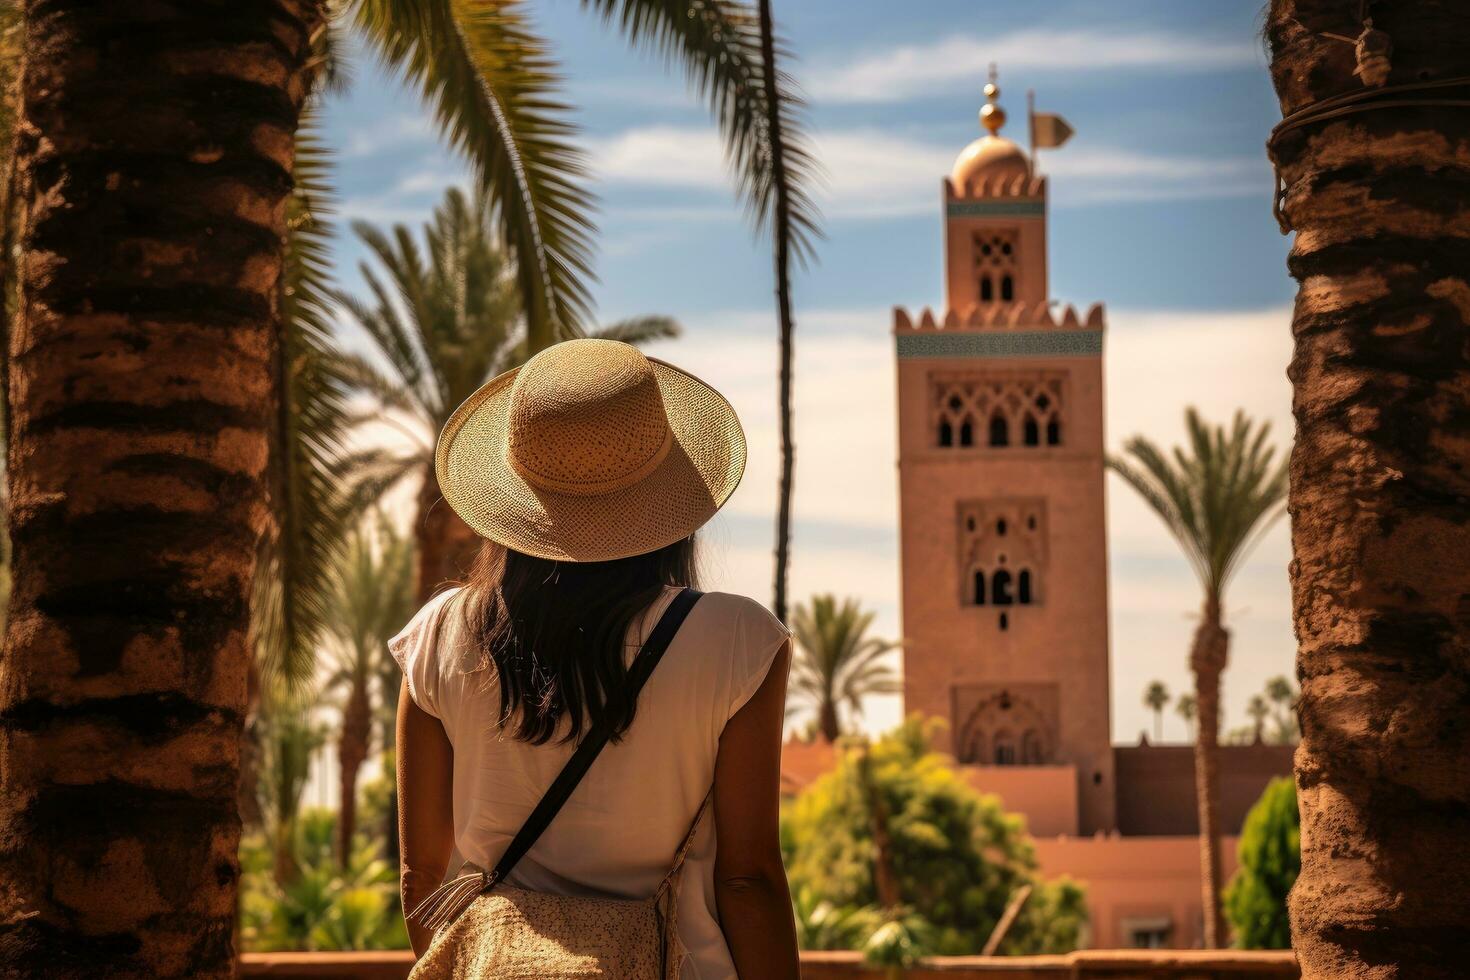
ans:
(590, 451)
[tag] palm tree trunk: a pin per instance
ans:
(1380, 492)
(352, 752)
(1207, 659)
(153, 161)
(446, 545)
(827, 720)
(781, 231)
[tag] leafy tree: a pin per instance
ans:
(373, 599)
(445, 318)
(824, 924)
(1270, 859)
(1216, 497)
(957, 856)
(1156, 698)
(837, 663)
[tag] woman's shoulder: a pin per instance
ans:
(741, 612)
(416, 648)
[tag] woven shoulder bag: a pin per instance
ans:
(485, 928)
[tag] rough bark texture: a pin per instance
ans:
(446, 545)
(352, 752)
(1380, 494)
(1207, 659)
(154, 156)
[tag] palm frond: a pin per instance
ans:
(298, 557)
(717, 43)
(492, 84)
(1217, 494)
(640, 329)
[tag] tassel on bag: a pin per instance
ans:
(445, 903)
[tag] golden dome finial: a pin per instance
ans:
(992, 116)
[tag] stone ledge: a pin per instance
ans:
(1116, 964)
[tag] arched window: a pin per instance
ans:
(1000, 527)
(1023, 587)
(1054, 432)
(946, 433)
(967, 432)
(1007, 289)
(1000, 588)
(1005, 748)
(979, 588)
(1030, 431)
(987, 290)
(1000, 430)
(1031, 748)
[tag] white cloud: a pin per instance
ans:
(871, 173)
(960, 62)
(388, 133)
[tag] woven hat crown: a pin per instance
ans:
(587, 418)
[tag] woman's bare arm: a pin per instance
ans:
(425, 808)
(750, 883)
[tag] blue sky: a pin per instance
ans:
(1160, 209)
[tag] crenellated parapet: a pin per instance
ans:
(992, 330)
(1000, 316)
(993, 185)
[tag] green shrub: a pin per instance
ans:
(1270, 859)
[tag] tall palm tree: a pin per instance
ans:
(445, 319)
(374, 598)
(1185, 707)
(837, 663)
(149, 369)
(291, 735)
(1156, 699)
(152, 166)
(1257, 711)
(1216, 497)
(1380, 480)
(793, 223)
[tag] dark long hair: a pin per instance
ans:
(556, 633)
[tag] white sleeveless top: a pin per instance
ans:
(618, 832)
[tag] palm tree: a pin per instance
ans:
(1156, 699)
(151, 169)
(1282, 695)
(152, 399)
(793, 223)
(1257, 709)
(1216, 497)
(446, 320)
(291, 735)
(1380, 479)
(837, 662)
(1185, 707)
(374, 598)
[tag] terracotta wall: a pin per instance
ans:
(1095, 965)
(1156, 785)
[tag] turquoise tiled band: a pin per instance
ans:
(1000, 343)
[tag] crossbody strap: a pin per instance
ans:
(450, 898)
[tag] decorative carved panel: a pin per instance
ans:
(997, 409)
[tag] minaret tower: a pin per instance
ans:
(1002, 537)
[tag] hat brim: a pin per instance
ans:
(702, 469)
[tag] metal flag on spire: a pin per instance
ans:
(1048, 130)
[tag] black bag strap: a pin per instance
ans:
(452, 897)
